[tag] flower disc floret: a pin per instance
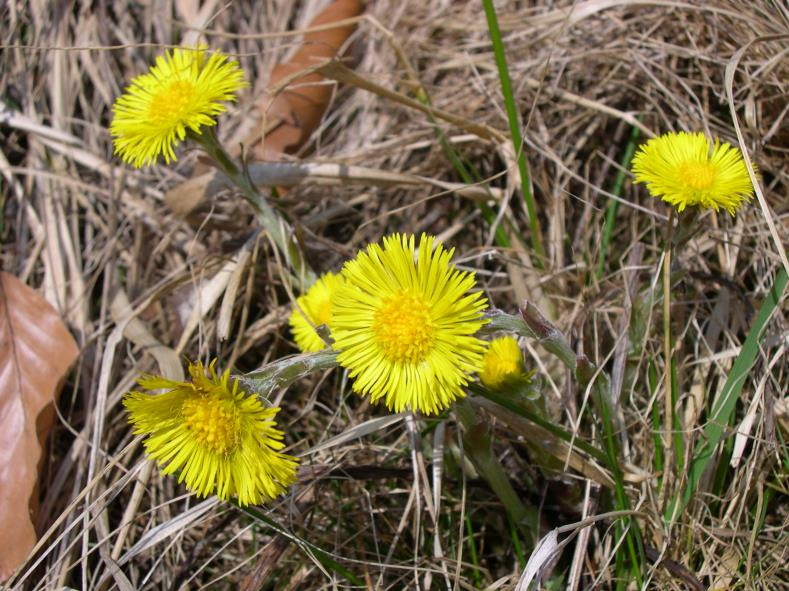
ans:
(312, 310)
(181, 92)
(219, 437)
(403, 328)
(404, 325)
(684, 169)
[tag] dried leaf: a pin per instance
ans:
(36, 350)
(542, 558)
(285, 122)
(299, 108)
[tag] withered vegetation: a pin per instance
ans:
(145, 279)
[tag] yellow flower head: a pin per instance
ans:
(502, 362)
(685, 169)
(314, 308)
(182, 91)
(218, 436)
(404, 328)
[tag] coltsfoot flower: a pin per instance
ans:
(503, 362)
(685, 169)
(219, 437)
(181, 91)
(404, 328)
(314, 308)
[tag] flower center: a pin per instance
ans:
(212, 422)
(403, 328)
(323, 312)
(697, 175)
(503, 368)
(172, 102)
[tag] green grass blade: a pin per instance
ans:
(516, 542)
(515, 130)
(726, 401)
(470, 176)
(473, 550)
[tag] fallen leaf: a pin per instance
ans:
(298, 109)
(36, 350)
(285, 122)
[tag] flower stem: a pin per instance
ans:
(668, 399)
(279, 230)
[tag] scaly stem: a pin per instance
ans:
(279, 230)
(286, 371)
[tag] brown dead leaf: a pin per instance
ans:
(36, 350)
(297, 111)
(285, 122)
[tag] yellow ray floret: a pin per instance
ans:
(684, 169)
(220, 438)
(502, 362)
(180, 92)
(404, 328)
(313, 309)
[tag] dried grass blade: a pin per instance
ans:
(360, 430)
(165, 530)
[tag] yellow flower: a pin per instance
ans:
(314, 308)
(180, 92)
(685, 169)
(405, 328)
(502, 362)
(217, 436)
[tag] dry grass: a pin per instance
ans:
(395, 507)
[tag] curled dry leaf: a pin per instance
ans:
(36, 350)
(290, 119)
(284, 122)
